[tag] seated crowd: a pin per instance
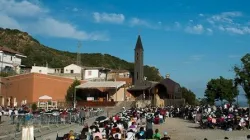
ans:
(127, 125)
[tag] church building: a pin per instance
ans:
(156, 92)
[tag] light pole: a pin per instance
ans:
(74, 102)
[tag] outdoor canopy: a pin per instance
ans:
(45, 97)
(106, 84)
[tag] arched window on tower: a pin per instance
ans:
(137, 76)
(137, 56)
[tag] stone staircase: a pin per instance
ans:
(119, 106)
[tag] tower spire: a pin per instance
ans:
(138, 43)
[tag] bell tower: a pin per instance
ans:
(138, 68)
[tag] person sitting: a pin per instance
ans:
(141, 134)
(133, 125)
(97, 138)
(84, 131)
(118, 134)
(97, 133)
(157, 135)
(156, 120)
(71, 135)
(165, 137)
(130, 135)
(113, 130)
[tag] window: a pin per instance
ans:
(40, 71)
(11, 58)
(137, 56)
(89, 73)
(71, 71)
(137, 76)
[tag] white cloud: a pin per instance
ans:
(226, 22)
(209, 31)
(226, 17)
(234, 30)
(15, 12)
(141, 22)
(75, 9)
(201, 15)
(108, 17)
(197, 29)
(8, 22)
(240, 30)
(196, 57)
(177, 24)
(20, 8)
(55, 28)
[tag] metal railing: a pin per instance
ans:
(47, 121)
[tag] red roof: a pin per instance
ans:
(5, 49)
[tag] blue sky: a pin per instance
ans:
(191, 40)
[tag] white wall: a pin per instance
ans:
(91, 74)
(75, 68)
(37, 69)
(102, 75)
(50, 70)
(8, 59)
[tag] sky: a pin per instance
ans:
(193, 41)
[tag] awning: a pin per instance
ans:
(105, 84)
(45, 97)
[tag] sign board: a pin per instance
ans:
(90, 98)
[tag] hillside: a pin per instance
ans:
(40, 54)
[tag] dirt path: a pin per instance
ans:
(180, 129)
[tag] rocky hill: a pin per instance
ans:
(40, 54)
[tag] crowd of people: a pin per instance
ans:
(69, 115)
(134, 123)
(227, 117)
(137, 123)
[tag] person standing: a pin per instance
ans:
(1, 116)
(82, 115)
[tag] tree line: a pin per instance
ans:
(222, 89)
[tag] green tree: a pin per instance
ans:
(189, 96)
(203, 101)
(221, 89)
(34, 107)
(70, 92)
(243, 75)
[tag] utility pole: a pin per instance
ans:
(78, 59)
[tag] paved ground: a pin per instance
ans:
(180, 129)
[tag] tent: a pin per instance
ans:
(45, 97)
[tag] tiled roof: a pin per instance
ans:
(5, 49)
(170, 85)
(106, 84)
